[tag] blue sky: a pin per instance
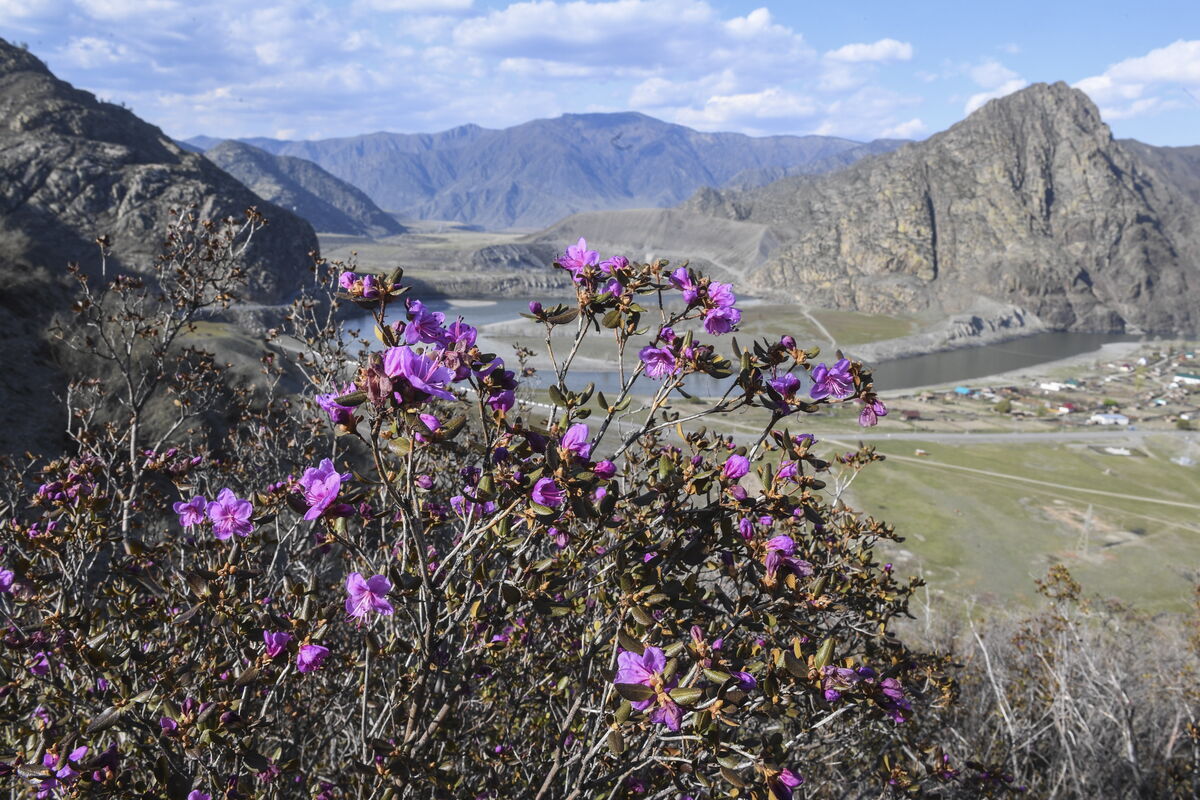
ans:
(324, 68)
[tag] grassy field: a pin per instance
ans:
(988, 535)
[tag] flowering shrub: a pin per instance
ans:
(463, 595)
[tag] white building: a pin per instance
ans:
(1109, 419)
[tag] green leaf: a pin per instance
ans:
(564, 317)
(615, 742)
(824, 653)
(105, 720)
(634, 692)
(687, 695)
(352, 399)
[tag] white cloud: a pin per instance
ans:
(578, 24)
(419, 6)
(748, 109)
(883, 50)
(125, 9)
(905, 130)
(1135, 86)
(991, 74)
(976, 101)
(90, 52)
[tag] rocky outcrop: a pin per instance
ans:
(330, 205)
(73, 168)
(1028, 202)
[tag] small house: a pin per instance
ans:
(1108, 418)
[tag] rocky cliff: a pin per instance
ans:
(330, 205)
(1028, 202)
(73, 168)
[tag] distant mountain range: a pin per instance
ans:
(329, 204)
(1027, 214)
(531, 175)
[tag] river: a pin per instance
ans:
(954, 366)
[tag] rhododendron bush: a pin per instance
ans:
(402, 578)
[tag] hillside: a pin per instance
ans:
(72, 168)
(330, 205)
(1029, 202)
(534, 174)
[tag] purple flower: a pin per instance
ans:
(346, 280)
(613, 264)
(320, 487)
(659, 361)
(575, 440)
(6, 580)
(502, 401)
(426, 377)
(871, 412)
(721, 320)
(424, 325)
(196, 794)
(230, 515)
(548, 493)
(310, 657)
(338, 414)
(605, 469)
(276, 642)
(168, 725)
(370, 287)
(779, 556)
(746, 528)
(835, 381)
(365, 595)
(735, 468)
(459, 333)
(783, 784)
(578, 258)
(41, 664)
(682, 279)
(721, 294)
(646, 669)
(191, 513)
(746, 681)
(788, 471)
(893, 700)
(786, 385)
(535, 308)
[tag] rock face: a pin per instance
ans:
(534, 174)
(330, 205)
(1028, 202)
(73, 168)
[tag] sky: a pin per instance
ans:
(311, 69)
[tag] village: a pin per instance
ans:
(1156, 387)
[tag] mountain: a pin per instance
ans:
(72, 168)
(1179, 165)
(302, 187)
(534, 174)
(753, 178)
(1028, 202)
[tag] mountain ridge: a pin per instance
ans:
(329, 204)
(1028, 201)
(534, 174)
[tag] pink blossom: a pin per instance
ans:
(230, 515)
(367, 594)
(310, 657)
(191, 513)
